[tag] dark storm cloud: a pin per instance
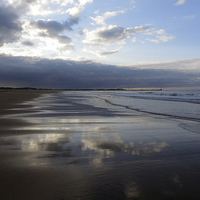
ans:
(45, 73)
(10, 25)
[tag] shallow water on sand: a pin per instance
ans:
(82, 147)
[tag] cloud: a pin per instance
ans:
(111, 34)
(104, 53)
(180, 2)
(76, 11)
(28, 43)
(100, 20)
(129, 31)
(101, 53)
(33, 7)
(53, 29)
(105, 35)
(157, 36)
(10, 25)
(64, 39)
(42, 7)
(20, 4)
(160, 32)
(57, 73)
(189, 65)
(162, 38)
(189, 17)
(84, 2)
(141, 29)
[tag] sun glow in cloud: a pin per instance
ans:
(50, 28)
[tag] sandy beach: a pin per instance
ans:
(74, 145)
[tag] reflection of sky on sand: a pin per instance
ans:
(85, 143)
(82, 128)
(34, 142)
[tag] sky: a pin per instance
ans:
(93, 44)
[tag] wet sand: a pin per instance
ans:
(12, 99)
(19, 182)
(56, 148)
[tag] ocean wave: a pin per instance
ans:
(180, 96)
(155, 113)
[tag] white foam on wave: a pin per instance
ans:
(183, 106)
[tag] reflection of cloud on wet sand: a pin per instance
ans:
(102, 147)
(111, 147)
(132, 190)
(39, 142)
(99, 145)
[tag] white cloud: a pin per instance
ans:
(129, 31)
(153, 31)
(38, 10)
(62, 2)
(159, 35)
(84, 2)
(100, 20)
(113, 34)
(160, 32)
(180, 2)
(189, 17)
(140, 29)
(134, 39)
(96, 12)
(74, 12)
(147, 30)
(162, 38)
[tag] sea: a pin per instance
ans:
(182, 104)
(113, 144)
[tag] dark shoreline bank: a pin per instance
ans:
(79, 89)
